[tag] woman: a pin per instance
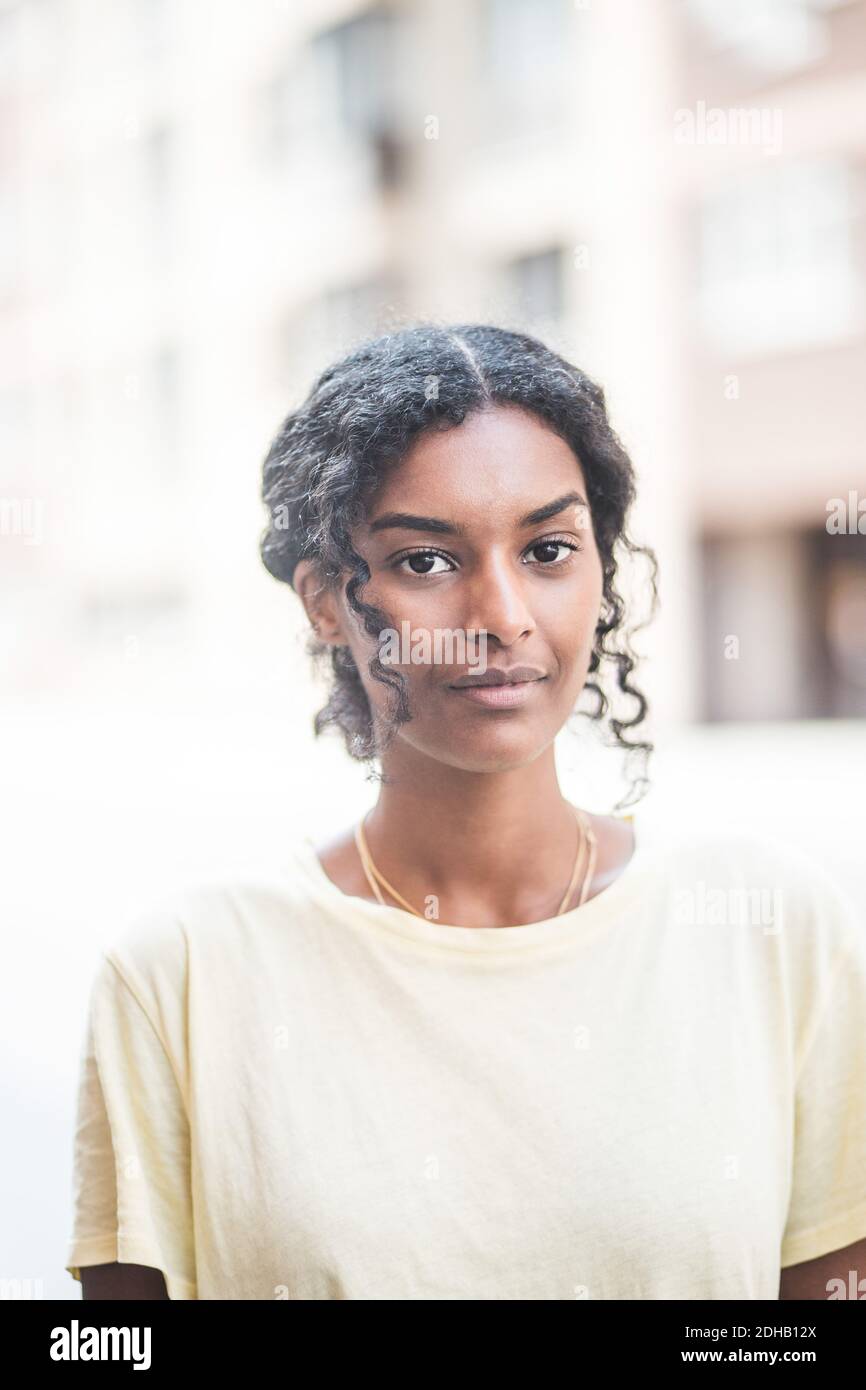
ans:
(482, 1044)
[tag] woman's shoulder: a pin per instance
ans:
(207, 923)
(810, 899)
(741, 850)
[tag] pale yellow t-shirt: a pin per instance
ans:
(287, 1092)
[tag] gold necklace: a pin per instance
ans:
(586, 839)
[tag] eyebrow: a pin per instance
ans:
(406, 521)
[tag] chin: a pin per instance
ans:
(496, 749)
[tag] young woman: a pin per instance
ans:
(483, 1044)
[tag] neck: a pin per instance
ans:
(501, 842)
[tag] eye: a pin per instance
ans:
(421, 561)
(423, 557)
(554, 543)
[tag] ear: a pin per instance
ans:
(320, 603)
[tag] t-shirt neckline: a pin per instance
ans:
(577, 925)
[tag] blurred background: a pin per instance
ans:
(201, 204)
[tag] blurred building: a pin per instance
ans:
(200, 204)
(773, 190)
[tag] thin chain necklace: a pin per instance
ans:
(586, 840)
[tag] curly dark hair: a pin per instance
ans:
(360, 417)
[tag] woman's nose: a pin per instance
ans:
(497, 602)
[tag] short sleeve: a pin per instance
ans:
(827, 1208)
(131, 1162)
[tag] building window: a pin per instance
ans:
(164, 373)
(524, 58)
(149, 26)
(839, 563)
(16, 434)
(777, 266)
(341, 91)
(784, 626)
(143, 409)
(47, 34)
(773, 37)
(11, 13)
(11, 240)
(159, 190)
(119, 614)
(534, 289)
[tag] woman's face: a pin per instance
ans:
(452, 546)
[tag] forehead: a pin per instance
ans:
(498, 461)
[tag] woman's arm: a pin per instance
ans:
(122, 1281)
(132, 1235)
(810, 1279)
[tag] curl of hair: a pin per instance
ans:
(359, 419)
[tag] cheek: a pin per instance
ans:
(570, 623)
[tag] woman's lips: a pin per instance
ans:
(499, 696)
